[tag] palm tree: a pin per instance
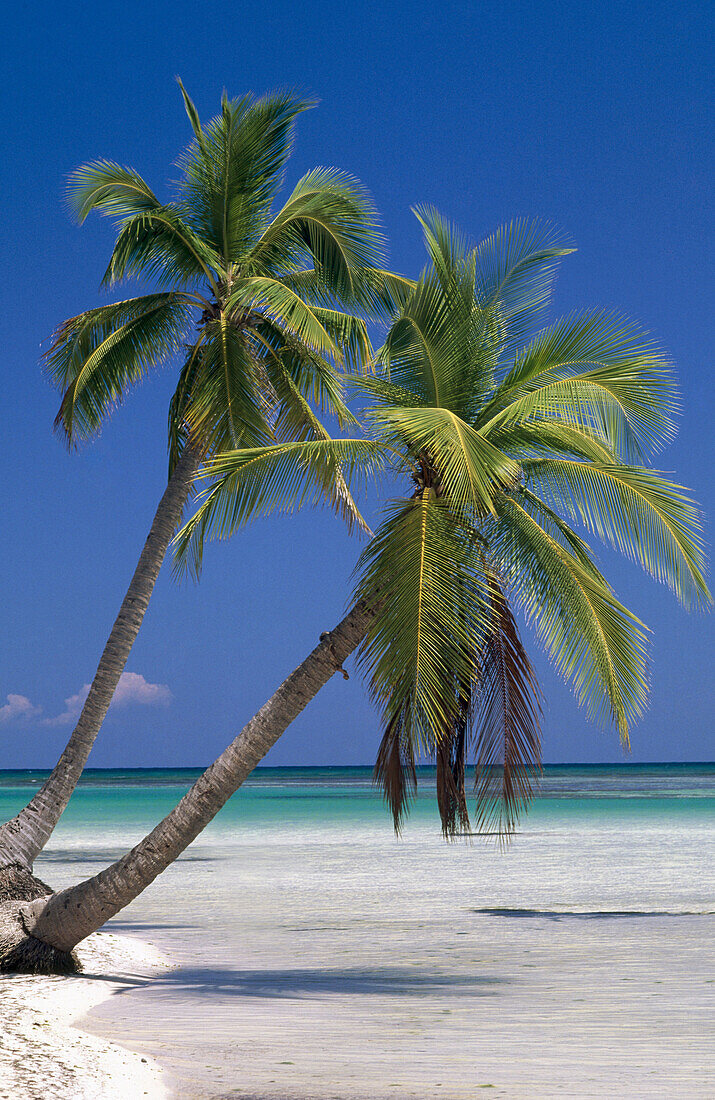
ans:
(250, 302)
(506, 432)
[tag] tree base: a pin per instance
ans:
(19, 884)
(22, 953)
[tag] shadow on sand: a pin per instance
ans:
(565, 914)
(309, 982)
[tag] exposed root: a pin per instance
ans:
(23, 953)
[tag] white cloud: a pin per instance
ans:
(18, 706)
(73, 706)
(132, 688)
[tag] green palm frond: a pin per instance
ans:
(446, 247)
(283, 305)
(636, 510)
(99, 355)
(438, 346)
(540, 437)
(232, 172)
(471, 470)
(593, 640)
(515, 269)
(627, 398)
(417, 571)
(329, 220)
(160, 245)
(295, 418)
(350, 335)
(192, 113)
(227, 409)
(383, 393)
(379, 295)
(114, 191)
(178, 428)
(283, 478)
(314, 375)
(559, 531)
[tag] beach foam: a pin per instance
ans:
(42, 1053)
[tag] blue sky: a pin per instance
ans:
(592, 115)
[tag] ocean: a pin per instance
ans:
(320, 957)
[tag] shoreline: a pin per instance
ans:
(43, 1044)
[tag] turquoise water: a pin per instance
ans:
(320, 957)
(137, 798)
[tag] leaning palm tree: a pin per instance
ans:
(506, 433)
(250, 302)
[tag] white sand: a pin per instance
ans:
(43, 1055)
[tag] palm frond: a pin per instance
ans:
(446, 246)
(541, 437)
(450, 760)
(111, 189)
(384, 393)
(592, 639)
(471, 470)
(160, 245)
(178, 428)
(283, 305)
(636, 510)
(192, 113)
(377, 294)
(99, 355)
(515, 269)
(234, 168)
(439, 347)
(349, 334)
(507, 723)
(626, 399)
(226, 408)
(431, 604)
(329, 220)
(295, 418)
(311, 374)
(558, 529)
(395, 771)
(284, 478)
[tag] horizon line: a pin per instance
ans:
(283, 767)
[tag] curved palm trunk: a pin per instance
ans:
(62, 920)
(23, 837)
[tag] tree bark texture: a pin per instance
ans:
(64, 919)
(24, 836)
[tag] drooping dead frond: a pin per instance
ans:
(508, 740)
(395, 772)
(450, 759)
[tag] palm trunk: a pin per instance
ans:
(23, 837)
(61, 921)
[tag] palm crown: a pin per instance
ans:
(508, 432)
(252, 303)
(251, 299)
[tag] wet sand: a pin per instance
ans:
(356, 968)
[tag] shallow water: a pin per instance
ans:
(319, 957)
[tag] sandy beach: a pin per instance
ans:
(44, 1054)
(314, 957)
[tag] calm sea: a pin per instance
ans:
(137, 797)
(320, 957)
